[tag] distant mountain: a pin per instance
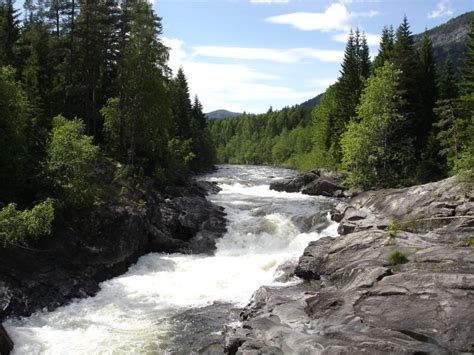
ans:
(449, 39)
(220, 114)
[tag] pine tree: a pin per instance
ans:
(427, 78)
(455, 115)
(364, 58)
(140, 117)
(181, 105)
(9, 33)
(404, 58)
(387, 43)
(448, 85)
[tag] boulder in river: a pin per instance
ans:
(319, 182)
(399, 279)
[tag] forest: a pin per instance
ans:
(398, 120)
(85, 85)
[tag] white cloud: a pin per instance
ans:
(276, 55)
(269, 1)
(321, 82)
(372, 39)
(443, 8)
(369, 14)
(235, 87)
(335, 17)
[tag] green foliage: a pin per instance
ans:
(373, 153)
(180, 155)
(470, 241)
(69, 162)
(392, 229)
(397, 257)
(323, 131)
(17, 227)
(113, 127)
(276, 137)
(16, 126)
(387, 43)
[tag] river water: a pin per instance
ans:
(167, 303)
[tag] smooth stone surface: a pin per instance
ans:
(353, 300)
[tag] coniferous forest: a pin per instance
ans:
(83, 83)
(395, 121)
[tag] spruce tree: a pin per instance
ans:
(387, 43)
(427, 78)
(448, 87)
(404, 58)
(9, 33)
(364, 58)
(181, 105)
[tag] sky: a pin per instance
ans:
(248, 55)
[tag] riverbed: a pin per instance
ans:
(176, 303)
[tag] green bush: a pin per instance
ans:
(17, 226)
(392, 229)
(69, 163)
(397, 257)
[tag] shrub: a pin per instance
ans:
(17, 226)
(69, 163)
(392, 229)
(397, 257)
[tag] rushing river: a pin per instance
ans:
(162, 304)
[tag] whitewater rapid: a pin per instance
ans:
(132, 313)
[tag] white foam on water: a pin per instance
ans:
(130, 314)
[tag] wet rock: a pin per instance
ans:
(320, 182)
(6, 344)
(354, 300)
(199, 330)
(294, 184)
(321, 187)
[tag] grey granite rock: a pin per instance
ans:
(355, 300)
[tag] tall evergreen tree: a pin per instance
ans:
(9, 32)
(364, 58)
(181, 105)
(427, 78)
(404, 58)
(387, 43)
(448, 87)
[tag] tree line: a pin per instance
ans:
(83, 81)
(394, 121)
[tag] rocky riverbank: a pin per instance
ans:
(399, 279)
(102, 243)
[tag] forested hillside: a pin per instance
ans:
(396, 120)
(85, 85)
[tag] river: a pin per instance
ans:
(175, 303)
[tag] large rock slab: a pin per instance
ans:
(356, 299)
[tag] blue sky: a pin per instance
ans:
(248, 55)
